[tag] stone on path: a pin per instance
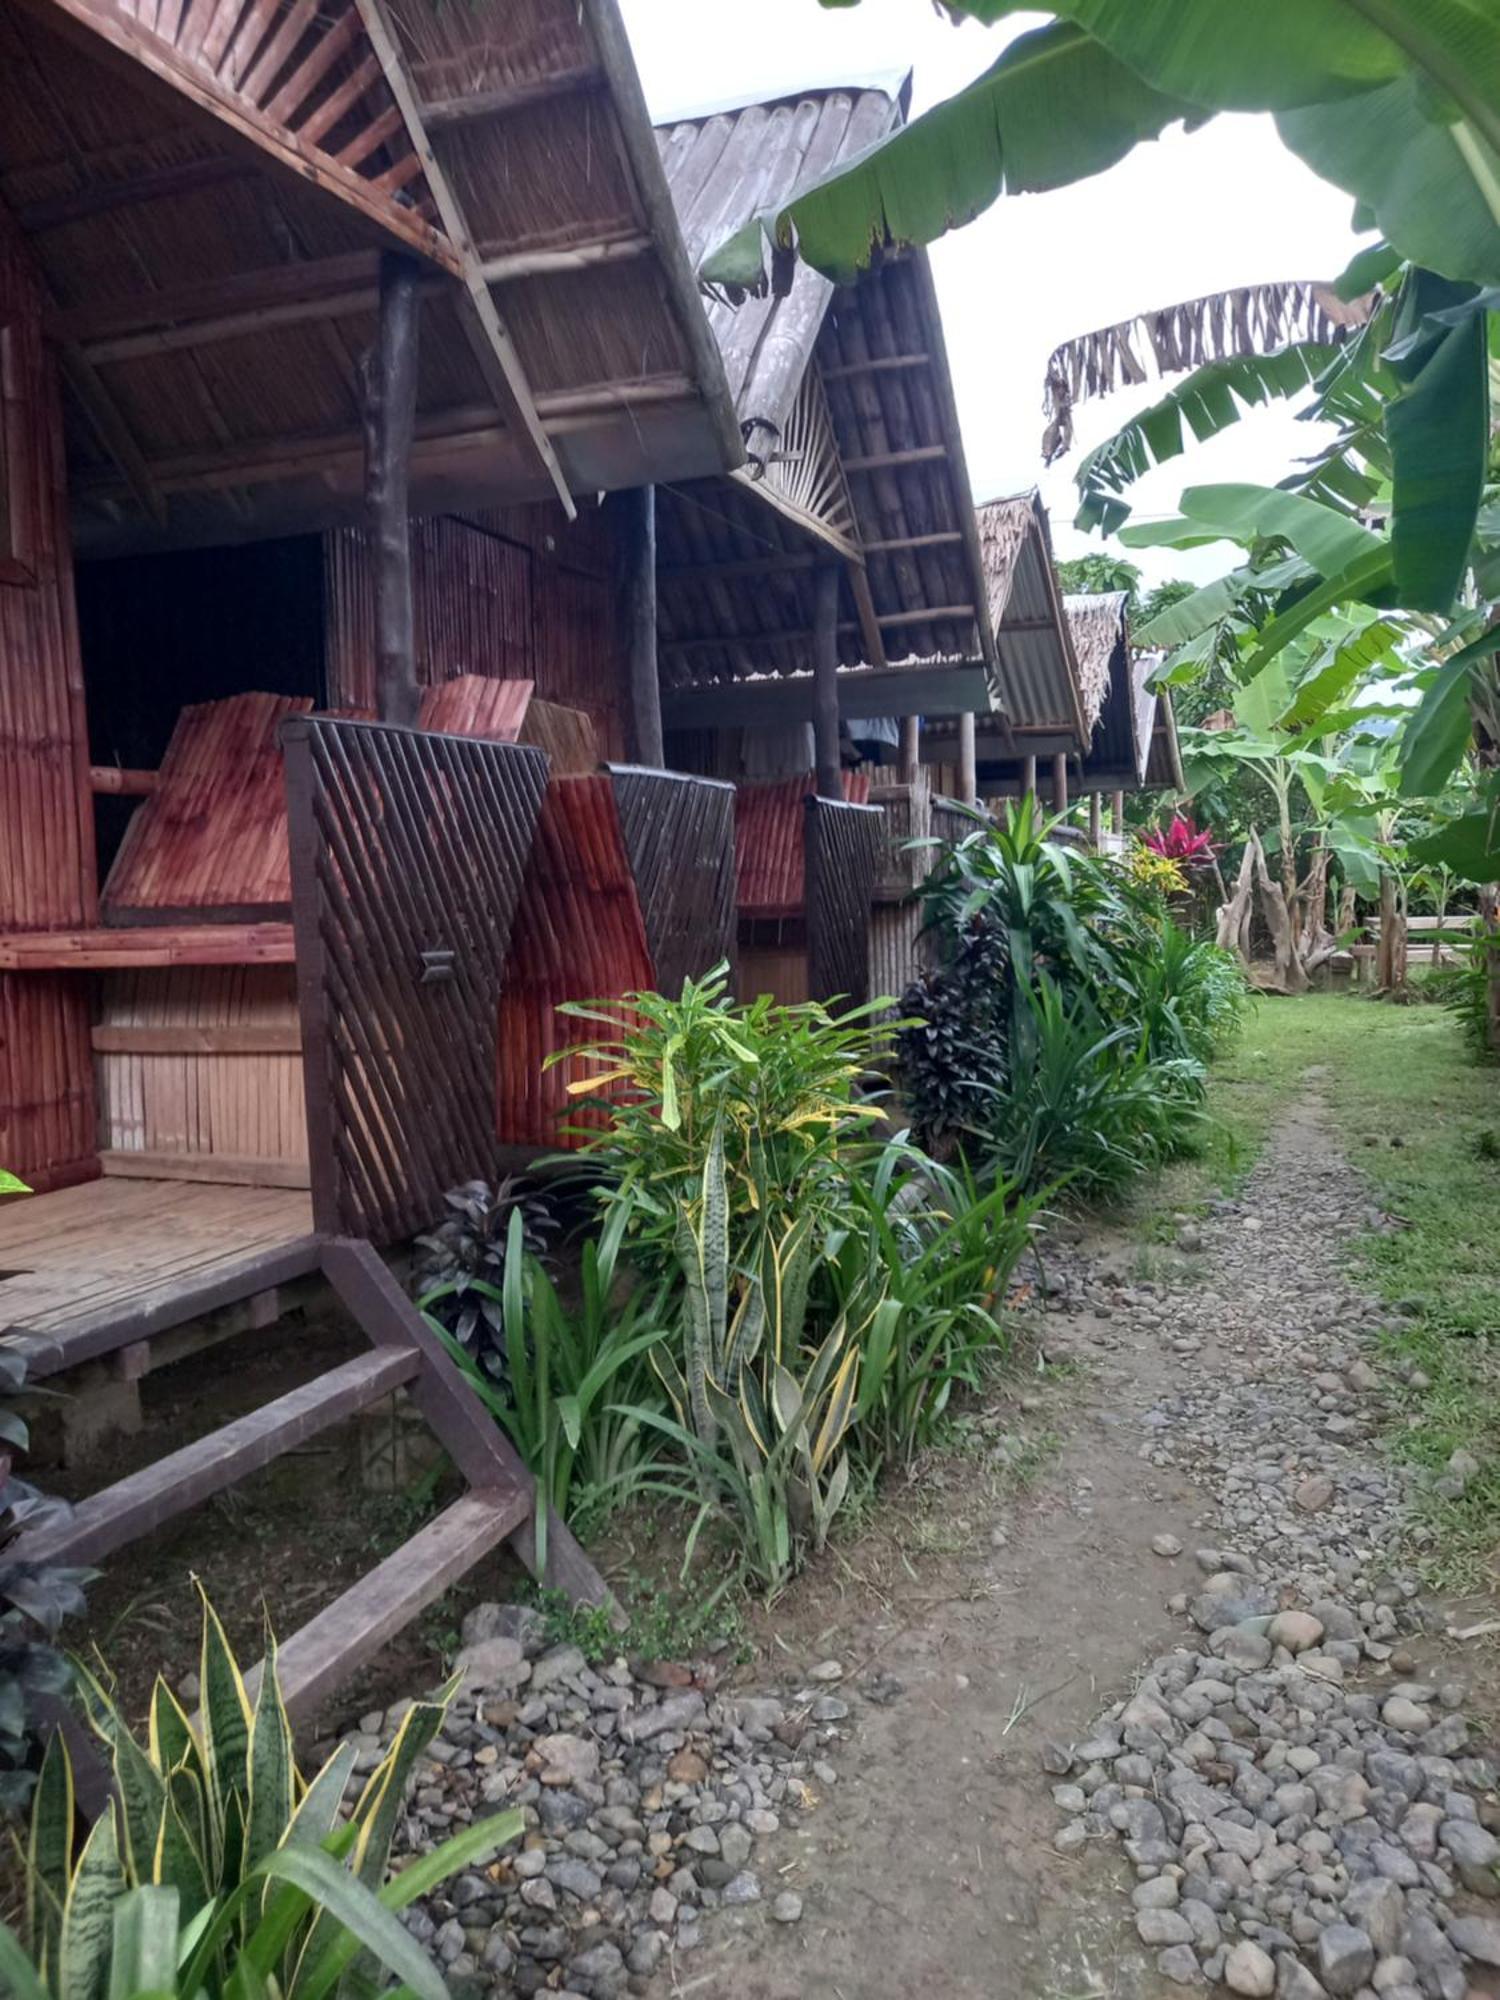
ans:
(1250, 1970)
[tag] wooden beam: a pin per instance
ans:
(875, 364)
(825, 666)
(442, 112)
(1026, 625)
(1060, 782)
(944, 538)
(133, 1506)
(772, 561)
(869, 623)
(640, 626)
(326, 1651)
(98, 950)
(488, 338)
(769, 700)
(1028, 776)
(140, 49)
(927, 614)
(589, 256)
(102, 197)
(876, 461)
(1096, 822)
(390, 415)
(240, 1038)
(1117, 812)
(112, 430)
(111, 778)
(223, 1169)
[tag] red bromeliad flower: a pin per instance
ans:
(1181, 842)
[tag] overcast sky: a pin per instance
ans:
(1180, 217)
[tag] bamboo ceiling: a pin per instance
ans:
(206, 185)
(844, 397)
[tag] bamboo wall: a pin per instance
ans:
(516, 593)
(46, 847)
(200, 1075)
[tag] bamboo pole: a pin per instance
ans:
(640, 593)
(1060, 782)
(1096, 821)
(968, 774)
(825, 684)
(1117, 812)
(1028, 776)
(911, 748)
(390, 414)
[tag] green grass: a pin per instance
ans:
(1420, 1120)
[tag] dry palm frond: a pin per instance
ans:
(1255, 319)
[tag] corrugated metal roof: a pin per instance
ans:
(1038, 672)
(723, 169)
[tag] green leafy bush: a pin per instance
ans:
(215, 1868)
(567, 1373)
(780, 1085)
(461, 1263)
(35, 1599)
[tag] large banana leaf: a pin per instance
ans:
(1470, 846)
(1203, 404)
(1439, 437)
(1055, 108)
(1396, 100)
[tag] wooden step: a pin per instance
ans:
(328, 1649)
(133, 1506)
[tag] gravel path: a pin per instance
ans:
(1175, 1716)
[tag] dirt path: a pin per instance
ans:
(984, 1636)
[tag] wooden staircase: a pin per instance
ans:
(405, 1354)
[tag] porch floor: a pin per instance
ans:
(89, 1268)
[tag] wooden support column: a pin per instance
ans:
(1096, 821)
(1060, 782)
(390, 371)
(825, 685)
(1117, 812)
(968, 775)
(640, 593)
(911, 748)
(1028, 776)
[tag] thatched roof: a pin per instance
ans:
(847, 406)
(206, 190)
(1101, 640)
(1038, 673)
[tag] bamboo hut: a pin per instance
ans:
(322, 332)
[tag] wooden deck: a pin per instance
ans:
(90, 1268)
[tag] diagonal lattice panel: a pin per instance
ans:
(845, 851)
(679, 836)
(408, 851)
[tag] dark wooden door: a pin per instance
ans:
(408, 851)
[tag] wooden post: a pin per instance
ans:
(825, 685)
(968, 775)
(1096, 821)
(1028, 776)
(1117, 812)
(911, 748)
(390, 381)
(1060, 782)
(640, 595)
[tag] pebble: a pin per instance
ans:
(787, 1908)
(1302, 1808)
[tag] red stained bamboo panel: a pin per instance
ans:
(472, 705)
(212, 837)
(578, 935)
(770, 842)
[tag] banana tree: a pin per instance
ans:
(1397, 103)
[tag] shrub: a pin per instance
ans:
(35, 1598)
(566, 1374)
(778, 1084)
(952, 1053)
(462, 1264)
(215, 1868)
